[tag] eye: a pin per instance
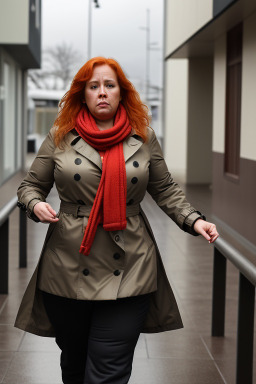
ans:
(110, 85)
(93, 86)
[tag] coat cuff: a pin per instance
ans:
(183, 215)
(30, 208)
(190, 220)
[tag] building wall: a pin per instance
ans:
(199, 131)
(14, 22)
(220, 5)
(20, 49)
(20, 31)
(35, 30)
(234, 201)
(248, 116)
(184, 18)
(219, 94)
(11, 116)
(175, 148)
(188, 119)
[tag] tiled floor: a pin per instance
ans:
(186, 356)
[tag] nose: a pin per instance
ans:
(102, 91)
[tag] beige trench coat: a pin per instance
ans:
(121, 263)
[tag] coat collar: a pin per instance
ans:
(130, 146)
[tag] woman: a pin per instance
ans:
(100, 280)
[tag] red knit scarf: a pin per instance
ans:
(109, 204)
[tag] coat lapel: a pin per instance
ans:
(131, 145)
(84, 149)
(89, 152)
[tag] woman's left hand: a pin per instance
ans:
(206, 229)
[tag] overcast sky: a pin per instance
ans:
(115, 31)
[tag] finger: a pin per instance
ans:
(214, 238)
(205, 235)
(46, 216)
(51, 210)
(53, 220)
(213, 230)
(49, 220)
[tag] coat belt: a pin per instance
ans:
(84, 210)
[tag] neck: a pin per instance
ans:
(104, 124)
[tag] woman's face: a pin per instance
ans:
(102, 93)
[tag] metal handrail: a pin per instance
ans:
(243, 265)
(223, 251)
(7, 209)
(4, 242)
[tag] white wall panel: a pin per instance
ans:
(14, 21)
(184, 18)
(219, 95)
(248, 117)
(176, 116)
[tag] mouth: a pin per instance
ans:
(102, 104)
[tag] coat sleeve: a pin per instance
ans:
(166, 192)
(39, 179)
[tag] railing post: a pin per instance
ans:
(4, 256)
(245, 331)
(218, 294)
(23, 240)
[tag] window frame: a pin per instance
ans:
(18, 110)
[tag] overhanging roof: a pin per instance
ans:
(201, 44)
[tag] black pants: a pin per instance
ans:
(97, 338)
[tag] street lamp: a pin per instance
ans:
(150, 46)
(147, 29)
(96, 3)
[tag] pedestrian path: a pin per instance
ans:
(186, 356)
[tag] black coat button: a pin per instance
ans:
(134, 180)
(86, 272)
(117, 238)
(78, 161)
(135, 164)
(81, 202)
(116, 256)
(77, 177)
(130, 202)
(117, 272)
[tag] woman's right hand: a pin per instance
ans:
(45, 213)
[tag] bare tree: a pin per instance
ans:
(59, 65)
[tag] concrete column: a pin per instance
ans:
(24, 127)
(175, 130)
(199, 123)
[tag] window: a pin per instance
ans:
(233, 101)
(9, 121)
(10, 118)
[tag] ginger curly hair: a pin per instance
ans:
(72, 102)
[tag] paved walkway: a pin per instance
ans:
(186, 356)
